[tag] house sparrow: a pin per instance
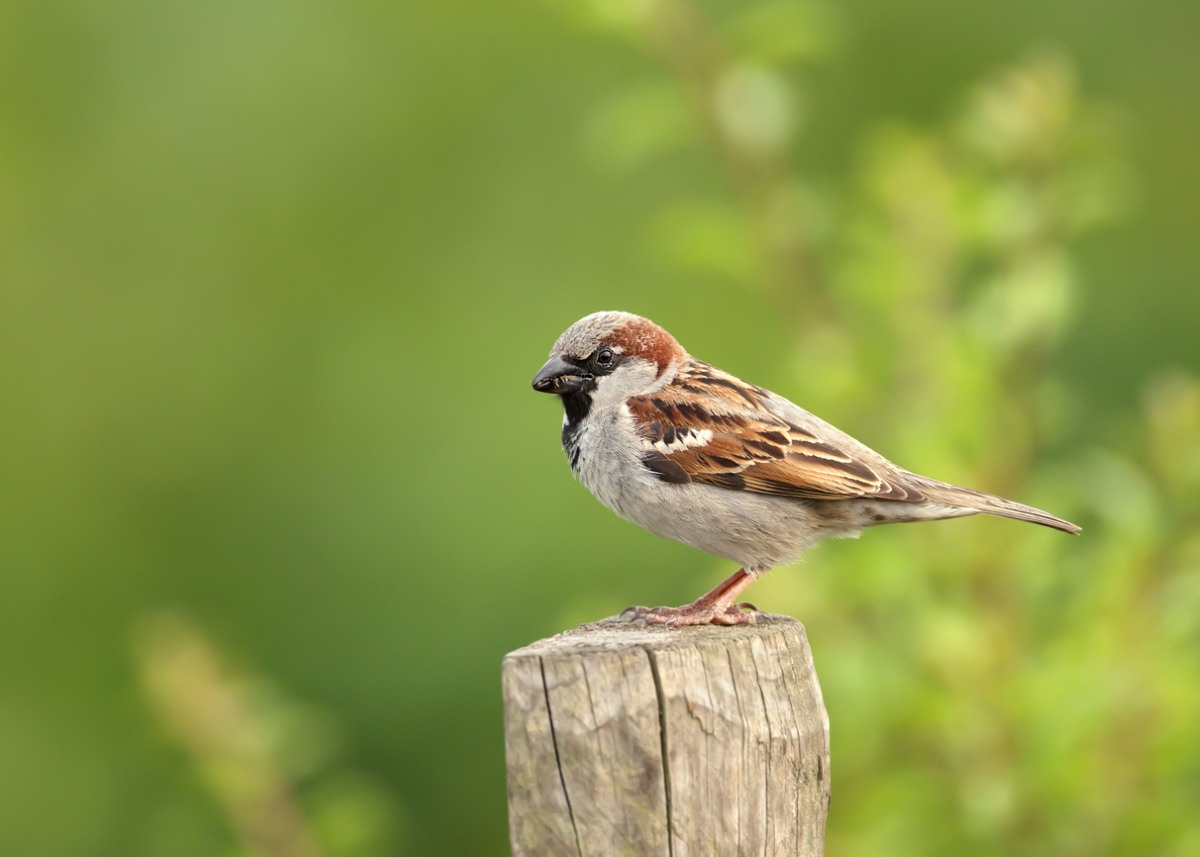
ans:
(694, 454)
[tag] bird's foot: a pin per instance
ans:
(700, 612)
(715, 607)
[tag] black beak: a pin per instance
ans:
(559, 377)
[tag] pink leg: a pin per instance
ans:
(713, 608)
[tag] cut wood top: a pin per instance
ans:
(616, 633)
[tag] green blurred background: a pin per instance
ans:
(276, 496)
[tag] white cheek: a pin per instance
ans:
(632, 378)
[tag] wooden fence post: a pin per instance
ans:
(627, 739)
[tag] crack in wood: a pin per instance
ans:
(737, 697)
(666, 763)
(558, 759)
(768, 826)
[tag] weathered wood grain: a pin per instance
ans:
(627, 739)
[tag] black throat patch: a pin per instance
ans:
(576, 406)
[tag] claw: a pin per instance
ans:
(713, 608)
(693, 614)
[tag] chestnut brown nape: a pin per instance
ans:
(640, 337)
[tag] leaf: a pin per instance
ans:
(755, 108)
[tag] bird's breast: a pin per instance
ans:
(604, 452)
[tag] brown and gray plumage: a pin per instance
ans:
(694, 454)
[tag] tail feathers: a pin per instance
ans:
(992, 505)
(1008, 509)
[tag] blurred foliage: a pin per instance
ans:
(273, 280)
(990, 693)
(254, 746)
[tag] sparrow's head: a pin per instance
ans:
(608, 357)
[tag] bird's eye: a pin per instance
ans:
(604, 356)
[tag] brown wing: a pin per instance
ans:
(734, 442)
